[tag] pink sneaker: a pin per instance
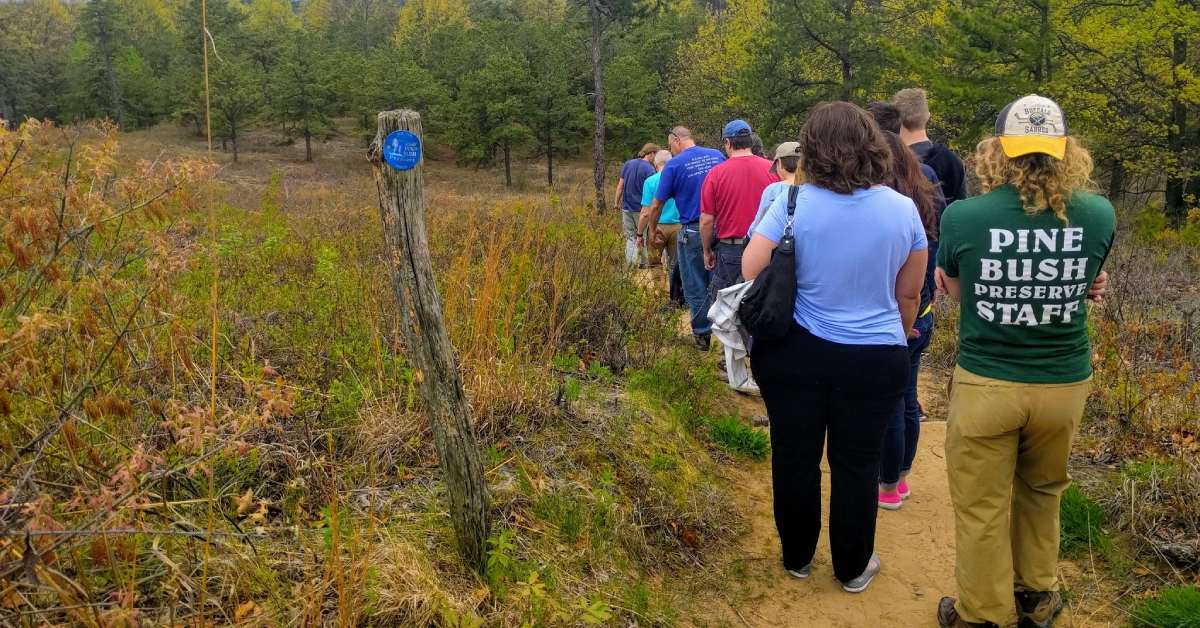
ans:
(902, 488)
(890, 500)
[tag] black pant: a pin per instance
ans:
(814, 388)
(676, 286)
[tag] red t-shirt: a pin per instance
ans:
(732, 191)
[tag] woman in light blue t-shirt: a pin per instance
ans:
(841, 370)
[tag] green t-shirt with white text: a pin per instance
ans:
(1024, 281)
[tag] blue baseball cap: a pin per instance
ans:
(736, 128)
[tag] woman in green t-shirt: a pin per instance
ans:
(1021, 258)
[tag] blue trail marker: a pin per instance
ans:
(402, 150)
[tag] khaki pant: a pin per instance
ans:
(1006, 452)
(670, 246)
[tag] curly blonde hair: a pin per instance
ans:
(1042, 181)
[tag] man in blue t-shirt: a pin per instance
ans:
(681, 179)
(629, 200)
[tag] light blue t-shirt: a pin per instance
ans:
(770, 193)
(670, 213)
(849, 248)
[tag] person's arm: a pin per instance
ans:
(655, 212)
(706, 240)
(708, 208)
(960, 191)
(756, 256)
(908, 287)
(945, 283)
(620, 190)
(647, 200)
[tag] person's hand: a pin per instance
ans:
(914, 333)
(710, 259)
(1099, 287)
(939, 279)
(640, 241)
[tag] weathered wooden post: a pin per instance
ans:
(395, 156)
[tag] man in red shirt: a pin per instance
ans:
(728, 204)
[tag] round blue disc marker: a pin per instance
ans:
(402, 150)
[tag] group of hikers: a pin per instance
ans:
(879, 222)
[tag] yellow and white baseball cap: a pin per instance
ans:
(1032, 124)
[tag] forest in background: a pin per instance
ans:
(498, 79)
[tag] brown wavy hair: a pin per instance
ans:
(1042, 181)
(908, 180)
(842, 149)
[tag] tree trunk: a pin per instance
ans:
(549, 156)
(307, 145)
(1116, 180)
(1176, 206)
(507, 165)
(402, 207)
(597, 18)
(233, 140)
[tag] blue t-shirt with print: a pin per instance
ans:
(683, 177)
(635, 172)
(849, 249)
(670, 213)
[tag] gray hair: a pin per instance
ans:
(662, 157)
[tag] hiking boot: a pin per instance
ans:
(1038, 609)
(802, 572)
(860, 584)
(947, 617)
(890, 500)
(703, 341)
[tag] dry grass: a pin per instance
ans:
(316, 467)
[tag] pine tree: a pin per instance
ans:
(236, 99)
(302, 88)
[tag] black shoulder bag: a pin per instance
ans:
(766, 309)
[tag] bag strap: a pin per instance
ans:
(793, 192)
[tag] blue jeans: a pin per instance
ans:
(904, 428)
(695, 277)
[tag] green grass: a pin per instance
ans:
(1081, 520)
(1178, 607)
(730, 434)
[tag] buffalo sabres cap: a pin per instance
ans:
(1032, 124)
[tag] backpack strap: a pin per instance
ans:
(793, 192)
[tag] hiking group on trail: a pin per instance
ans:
(846, 236)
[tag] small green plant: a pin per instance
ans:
(500, 559)
(572, 388)
(1177, 607)
(730, 434)
(453, 619)
(1146, 470)
(1081, 520)
(600, 373)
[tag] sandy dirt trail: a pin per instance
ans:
(915, 543)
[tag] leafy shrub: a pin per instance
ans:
(1177, 607)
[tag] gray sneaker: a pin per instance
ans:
(802, 572)
(860, 584)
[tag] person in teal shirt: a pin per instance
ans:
(662, 236)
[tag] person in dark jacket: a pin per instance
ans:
(914, 117)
